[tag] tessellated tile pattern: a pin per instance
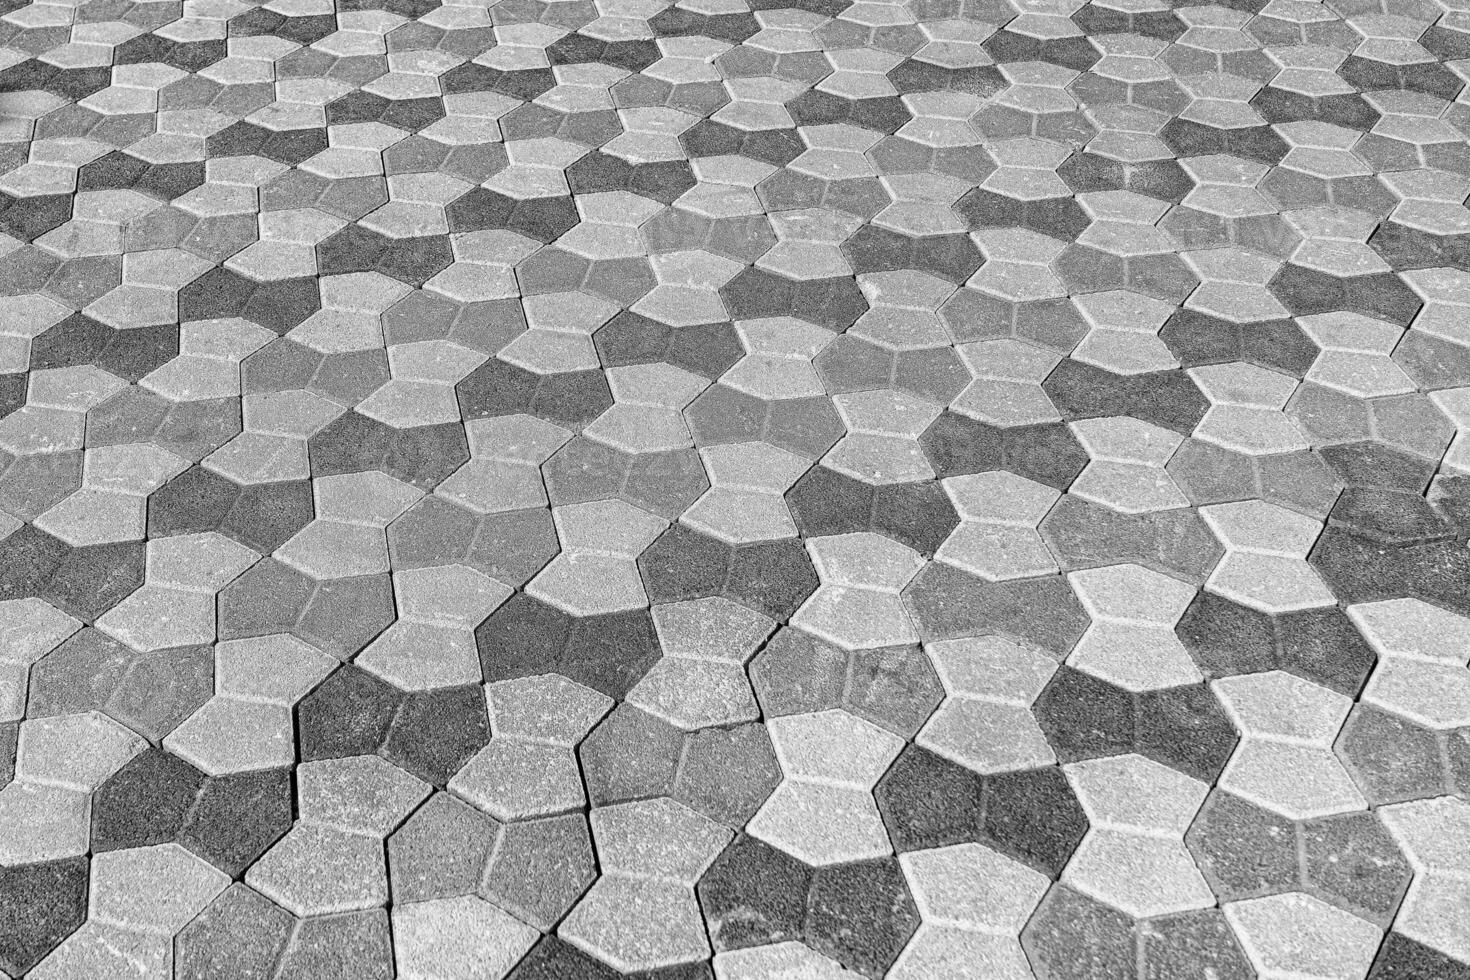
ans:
(734, 489)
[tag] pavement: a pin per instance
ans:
(734, 489)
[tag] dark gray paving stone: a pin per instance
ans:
(553, 959)
(238, 817)
(278, 306)
(147, 802)
(946, 602)
(1391, 759)
(1072, 937)
(860, 914)
(1032, 815)
(1243, 850)
(1168, 399)
(262, 517)
(1375, 465)
(608, 653)
(919, 515)
(497, 388)
(356, 945)
(40, 905)
(708, 350)
(436, 732)
(1352, 858)
(129, 354)
(1319, 645)
(1362, 569)
(350, 713)
(241, 933)
(754, 895)
(727, 773)
(1196, 944)
(422, 456)
(1388, 516)
(1402, 958)
(440, 851)
(685, 564)
(772, 577)
(82, 582)
(630, 755)
(539, 868)
(1197, 338)
(1185, 728)
(832, 303)
(927, 801)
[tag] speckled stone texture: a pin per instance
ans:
(734, 489)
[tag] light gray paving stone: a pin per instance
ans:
(858, 606)
(1284, 760)
(454, 938)
(1131, 640)
(1133, 857)
(985, 722)
(1296, 934)
(974, 903)
(642, 912)
(823, 812)
(1428, 831)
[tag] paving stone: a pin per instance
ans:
(540, 868)
(1130, 642)
(872, 895)
(440, 851)
(893, 687)
(44, 903)
(1072, 935)
(457, 937)
(1427, 915)
(985, 722)
(777, 958)
(831, 761)
(1133, 859)
(754, 894)
(1283, 933)
(973, 903)
(651, 855)
(727, 773)
(1419, 670)
(1279, 715)
(118, 894)
(357, 944)
(528, 768)
(1353, 859)
(1265, 557)
(240, 931)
